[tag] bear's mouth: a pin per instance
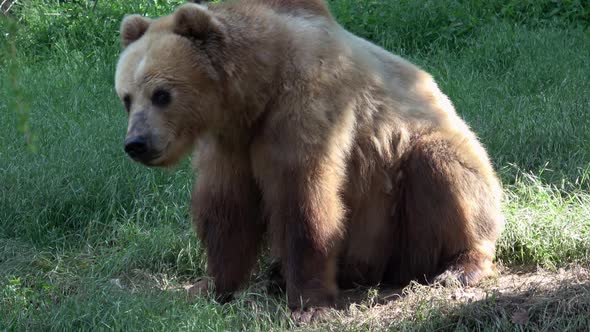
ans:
(156, 158)
(147, 160)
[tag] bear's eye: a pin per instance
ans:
(127, 102)
(161, 98)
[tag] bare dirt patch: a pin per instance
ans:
(530, 299)
(534, 299)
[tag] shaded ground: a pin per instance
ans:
(533, 299)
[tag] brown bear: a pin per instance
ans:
(348, 159)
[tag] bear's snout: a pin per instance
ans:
(137, 148)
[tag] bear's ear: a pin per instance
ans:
(196, 22)
(132, 28)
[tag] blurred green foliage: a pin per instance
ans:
(87, 26)
(428, 25)
(92, 26)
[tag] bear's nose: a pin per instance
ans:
(136, 147)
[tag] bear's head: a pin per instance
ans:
(168, 81)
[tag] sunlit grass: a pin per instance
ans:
(91, 240)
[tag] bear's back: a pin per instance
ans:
(407, 90)
(314, 7)
(317, 46)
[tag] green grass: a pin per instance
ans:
(91, 240)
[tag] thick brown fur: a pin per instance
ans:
(349, 159)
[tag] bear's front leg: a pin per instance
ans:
(301, 195)
(226, 205)
(310, 218)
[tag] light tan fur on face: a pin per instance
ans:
(350, 158)
(164, 60)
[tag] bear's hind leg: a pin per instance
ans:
(467, 268)
(449, 215)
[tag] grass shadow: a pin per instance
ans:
(516, 299)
